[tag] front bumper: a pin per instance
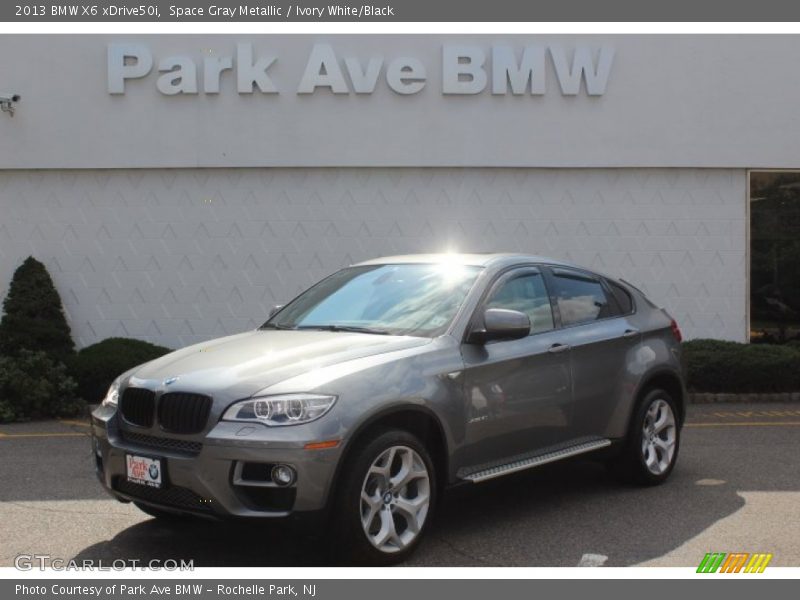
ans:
(205, 477)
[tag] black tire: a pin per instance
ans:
(630, 465)
(162, 515)
(351, 542)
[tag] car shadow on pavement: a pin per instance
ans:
(546, 517)
(559, 513)
(209, 544)
(550, 516)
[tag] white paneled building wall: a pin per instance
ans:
(176, 256)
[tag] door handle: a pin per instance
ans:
(630, 333)
(556, 348)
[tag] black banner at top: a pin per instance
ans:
(399, 10)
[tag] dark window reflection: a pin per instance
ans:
(775, 257)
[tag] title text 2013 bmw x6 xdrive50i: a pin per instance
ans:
(369, 393)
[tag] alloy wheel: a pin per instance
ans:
(659, 432)
(395, 498)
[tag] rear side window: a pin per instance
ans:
(580, 298)
(622, 297)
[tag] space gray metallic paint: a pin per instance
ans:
(550, 399)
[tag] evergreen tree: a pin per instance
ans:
(33, 317)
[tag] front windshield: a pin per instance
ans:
(401, 299)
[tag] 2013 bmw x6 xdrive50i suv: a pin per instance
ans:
(372, 391)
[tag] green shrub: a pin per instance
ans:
(794, 344)
(33, 317)
(96, 366)
(34, 386)
(730, 367)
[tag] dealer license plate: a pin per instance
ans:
(144, 470)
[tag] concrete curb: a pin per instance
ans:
(747, 398)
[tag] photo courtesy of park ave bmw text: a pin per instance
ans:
(432, 299)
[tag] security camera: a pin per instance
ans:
(7, 102)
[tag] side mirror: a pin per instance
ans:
(501, 324)
(275, 309)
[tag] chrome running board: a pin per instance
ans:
(484, 473)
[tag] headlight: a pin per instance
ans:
(288, 409)
(112, 395)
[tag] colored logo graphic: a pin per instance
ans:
(734, 562)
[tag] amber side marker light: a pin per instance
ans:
(321, 445)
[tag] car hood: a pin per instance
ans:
(241, 365)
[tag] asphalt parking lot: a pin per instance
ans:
(736, 488)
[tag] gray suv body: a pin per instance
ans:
(386, 382)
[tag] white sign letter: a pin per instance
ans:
(180, 76)
(322, 70)
(249, 73)
(364, 81)
(505, 70)
(582, 67)
(406, 75)
(213, 66)
(462, 70)
(119, 69)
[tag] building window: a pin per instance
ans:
(774, 256)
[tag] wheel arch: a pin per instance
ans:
(414, 418)
(669, 381)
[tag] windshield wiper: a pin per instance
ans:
(349, 328)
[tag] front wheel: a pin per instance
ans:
(651, 449)
(386, 499)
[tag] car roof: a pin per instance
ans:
(496, 259)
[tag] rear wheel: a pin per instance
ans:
(653, 441)
(386, 499)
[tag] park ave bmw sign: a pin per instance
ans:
(465, 70)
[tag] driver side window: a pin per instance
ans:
(526, 293)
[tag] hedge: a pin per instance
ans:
(34, 386)
(730, 367)
(96, 366)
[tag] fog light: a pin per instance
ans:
(283, 475)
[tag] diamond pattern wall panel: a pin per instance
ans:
(181, 256)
